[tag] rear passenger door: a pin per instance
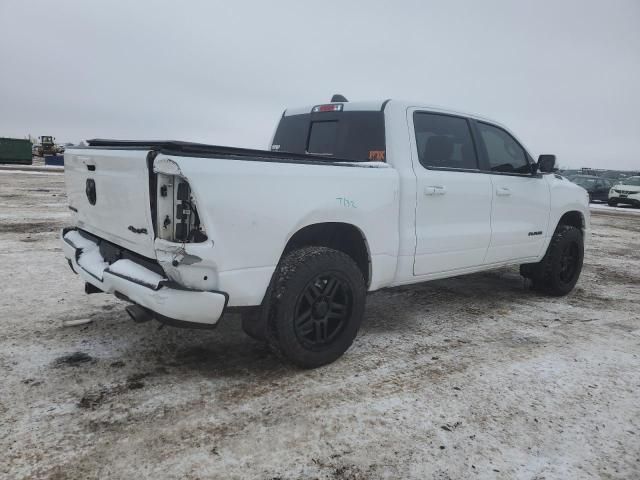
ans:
(453, 204)
(521, 201)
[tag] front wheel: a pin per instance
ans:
(558, 272)
(612, 203)
(317, 305)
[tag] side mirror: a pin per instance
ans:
(546, 163)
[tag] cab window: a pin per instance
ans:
(322, 138)
(350, 135)
(504, 153)
(444, 141)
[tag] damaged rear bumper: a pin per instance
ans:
(141, 285)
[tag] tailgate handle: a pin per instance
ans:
(137, 230)
(90, 190)
(91, 168)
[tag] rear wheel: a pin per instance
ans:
(558, 272)
(316, 307)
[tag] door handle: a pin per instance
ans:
(435, 190)
(503, 191)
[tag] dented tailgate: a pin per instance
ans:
(108, 194)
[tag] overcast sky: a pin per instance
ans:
(563, 75)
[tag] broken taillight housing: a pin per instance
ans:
(177, 217)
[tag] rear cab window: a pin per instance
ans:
(346, 135)
(323, 138)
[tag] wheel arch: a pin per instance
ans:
(341, 236)
(574, 218)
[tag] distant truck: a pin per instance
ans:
(349, 198)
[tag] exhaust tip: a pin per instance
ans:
(139, 314)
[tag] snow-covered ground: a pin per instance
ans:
(603, 207)
(472, 377)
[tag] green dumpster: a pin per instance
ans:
(15, 150)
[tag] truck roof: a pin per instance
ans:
(373, 105)
(401, 106)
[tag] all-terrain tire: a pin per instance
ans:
(558, 272)
(316, 305)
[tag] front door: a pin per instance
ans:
(453, 203)
(521, 201)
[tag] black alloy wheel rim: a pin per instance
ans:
(322, 310)
(569, 262)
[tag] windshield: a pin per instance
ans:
(635, 181)
(357, 136)
(585, 181)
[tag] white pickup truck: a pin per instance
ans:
(351, 197)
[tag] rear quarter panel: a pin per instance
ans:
(250, 209)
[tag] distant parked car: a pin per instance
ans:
(627, 191)
(60, 148)
(597, 187)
